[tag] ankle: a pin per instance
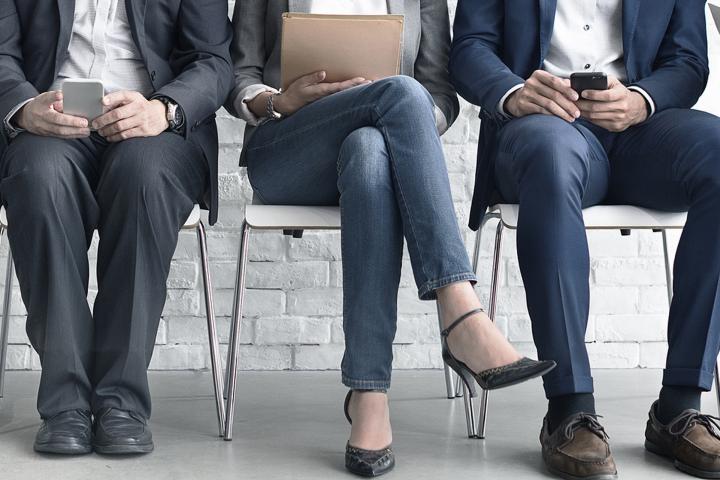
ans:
(455, 300)
(675, 400)
(563, 406)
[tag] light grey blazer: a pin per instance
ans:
(426, 46)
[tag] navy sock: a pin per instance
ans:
(675, 400)
(563, 406)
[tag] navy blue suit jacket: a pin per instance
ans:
(185, 45)
(499, 43)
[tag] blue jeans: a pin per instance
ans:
(375, 151)
(553, 169)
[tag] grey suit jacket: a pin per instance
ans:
(184, 44)
(426, 46)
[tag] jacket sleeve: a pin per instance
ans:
(14, 87)
(202, 58)
(476, 69)
(681, 70)
(432, 60)
(247, 50)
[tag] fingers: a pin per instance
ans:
(61, 120)
(117, 114)
(568, 106)
(125, 135)
(120, 126)
(122, 97)
(553, 108)
(587, 106)
(558, 84)
(310, 79)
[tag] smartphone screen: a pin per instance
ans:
(83, 98)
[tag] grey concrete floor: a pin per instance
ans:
(290, 426)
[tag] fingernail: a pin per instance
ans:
(105, 101)
(577, 114)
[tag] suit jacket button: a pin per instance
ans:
(152, 75)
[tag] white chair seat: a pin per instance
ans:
(609, 217)
(291, 217)
(193, 219)
(190, 223)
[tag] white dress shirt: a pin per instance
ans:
(335, 7)
(101, 47)
(587, 37)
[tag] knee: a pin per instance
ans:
(364, 159)
(553, 156)
(405, 91)
(38, 171)
(135, 165)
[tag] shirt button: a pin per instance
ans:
(587, 66)
(586, 27)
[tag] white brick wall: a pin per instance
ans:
(294, 302)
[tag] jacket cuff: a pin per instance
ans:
(246, 95)
(501, 103)
(11, 130)
(646, 96)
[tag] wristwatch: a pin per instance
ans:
(272, 114)
(174, 115)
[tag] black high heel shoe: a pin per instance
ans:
(367, 463)
(493, 378)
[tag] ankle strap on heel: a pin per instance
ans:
(457, 322)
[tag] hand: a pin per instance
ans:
(615, 109)
(546, 94)
(43, 116)
(310, 88)
(131, 115)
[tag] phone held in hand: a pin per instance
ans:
(588, 81)
(83, 98)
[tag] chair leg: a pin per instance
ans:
(495, 284)
(235, 331)
(212, 330)
(668, 267)
(7, 300)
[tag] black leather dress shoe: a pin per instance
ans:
(118, 432)
(67, 433)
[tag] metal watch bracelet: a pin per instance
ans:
(270, 107)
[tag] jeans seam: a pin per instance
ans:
(400, 191)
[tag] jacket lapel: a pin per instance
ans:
(396, 7)
(136, 17)
(547, 20)
(631, 8)
(299, 6)
(66, 9)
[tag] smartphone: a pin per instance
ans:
(83, 98)
(582, 81)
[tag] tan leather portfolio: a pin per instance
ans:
(344, 46)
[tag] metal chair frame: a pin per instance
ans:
(296, 231)
(477, 428)
(194, 223)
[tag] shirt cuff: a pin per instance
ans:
(501, 103)
(12, 131)
(246, 95)
(646, 96)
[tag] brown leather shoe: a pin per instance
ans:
(691, 440)
(578, 449)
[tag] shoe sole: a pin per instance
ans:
(567, 476)
(123, 449)
(62, 448)
(683, 467)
